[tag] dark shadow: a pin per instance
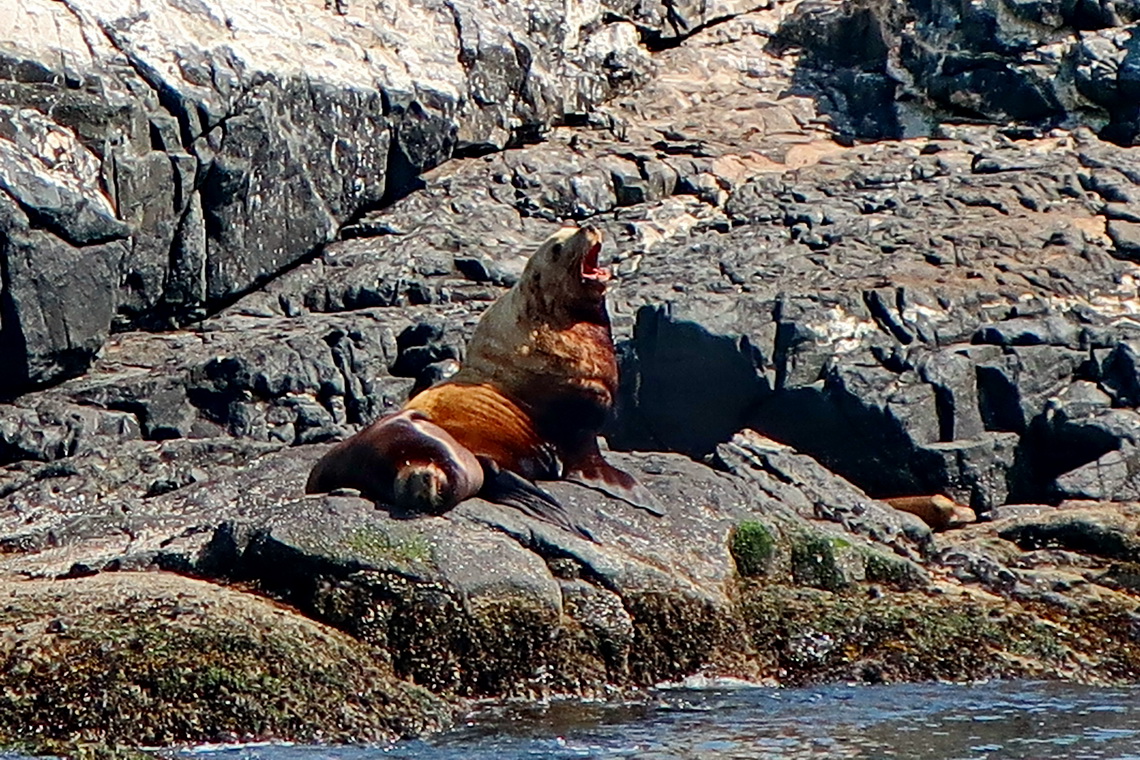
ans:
(843, 67)
(13, 346)
(683, 388)
(1048, 451)
(856, 442)
(418, 144)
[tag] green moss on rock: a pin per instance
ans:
(826, 562)
(880, 567)
(382, 547)
(753, 547)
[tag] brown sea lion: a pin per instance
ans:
(538, 384)
(404, 460)
(937, 511)
(546, 349)
(407, 461)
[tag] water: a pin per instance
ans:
(1034, 721)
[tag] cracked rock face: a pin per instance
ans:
(316, 204)
(187, 153)
(900, 69)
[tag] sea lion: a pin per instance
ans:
(404, 460)
(407, 461)
(538, 384)
(938, 511)
(546, 348)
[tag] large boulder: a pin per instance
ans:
(175, 660)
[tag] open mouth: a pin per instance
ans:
(590, 268)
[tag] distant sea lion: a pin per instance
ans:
(937, 511)
(537, 386)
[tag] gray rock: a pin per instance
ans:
(208, 160)
(991, 60)
(956, 394)
(1126, 239)
(58, 301)
(433, 590)
(974, 472)
(1108, 478)
(1120, 375)
(1101, 535)
(799, 482)
(1053, 331)
(684, 388)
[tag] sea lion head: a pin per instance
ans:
(564, 273)
(434, 472)
(424, 487)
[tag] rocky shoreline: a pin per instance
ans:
(861, 254)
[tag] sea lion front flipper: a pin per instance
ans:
(512, 490)
(595, 472)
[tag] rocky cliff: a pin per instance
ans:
(863, 251)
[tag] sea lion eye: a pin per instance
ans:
(556, 250)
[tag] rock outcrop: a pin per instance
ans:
(862, 252)
(158, 161)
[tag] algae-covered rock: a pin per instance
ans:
(813, 635)
(826, 562)
(152, 659)
(893, 570)
(753, 548)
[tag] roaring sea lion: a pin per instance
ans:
(546, 349)
(538, 384)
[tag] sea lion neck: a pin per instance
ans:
(592, 312)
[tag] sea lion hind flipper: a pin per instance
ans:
(600, 475)
(512, 490)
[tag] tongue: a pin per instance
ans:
(590, 266)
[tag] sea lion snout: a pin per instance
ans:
(589, 267)
(585, 248)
